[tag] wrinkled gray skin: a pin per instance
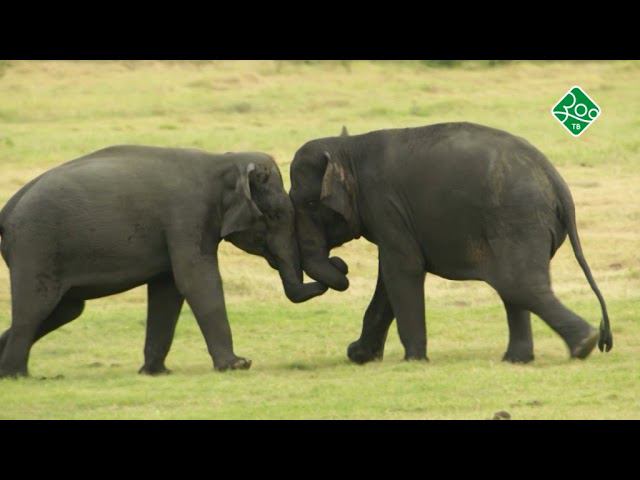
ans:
(459, 200)
(126, 216)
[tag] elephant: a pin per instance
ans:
(130, 215)
(458, 200)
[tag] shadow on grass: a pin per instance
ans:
(319, 363)
(461, 357)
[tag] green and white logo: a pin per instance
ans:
(576, 111)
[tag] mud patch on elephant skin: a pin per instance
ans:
(496, 177)
(139, 232)
(545, 187)
(44, 282)
(478, 252)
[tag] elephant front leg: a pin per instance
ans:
(163, 310)
(375, 326)
(198, 280)
(404, 275)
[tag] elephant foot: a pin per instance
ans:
(416, 358)
(359, 354)
(518, 357)
(238, 363)
(154, 370)
(586, 345)
(10, 373)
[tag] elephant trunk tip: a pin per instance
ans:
(331, 272)
(339, 264)
(299, 293)
(341, 285)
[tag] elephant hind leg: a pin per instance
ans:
(3, 340)
(579, 336)
(66, 311)
(33, 299)
(521, 276)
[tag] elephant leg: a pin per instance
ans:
(66, 311)
(536, 296)
(579, 336)
(520, 348)
(33, 301)
(3, 340)
(404, 281)
(375, 326)
(163, 309)
(198, 279)
(523, 280)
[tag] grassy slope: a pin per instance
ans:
(53, 111)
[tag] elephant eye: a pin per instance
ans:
(312, 204)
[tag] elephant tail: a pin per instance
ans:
(605, 343)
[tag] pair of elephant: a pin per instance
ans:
(459, 200)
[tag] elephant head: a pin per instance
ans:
(323, 192)
(259, 219)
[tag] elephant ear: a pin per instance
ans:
(240, 210)
(338, 193)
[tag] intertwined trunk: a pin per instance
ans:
(287, 259)
(315, 255)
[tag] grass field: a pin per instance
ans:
(51, 112)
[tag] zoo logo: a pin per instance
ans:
(576, 111)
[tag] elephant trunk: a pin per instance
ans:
(315, 256)
(330, 271)
(290, 270)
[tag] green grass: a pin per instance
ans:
(51, 112)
